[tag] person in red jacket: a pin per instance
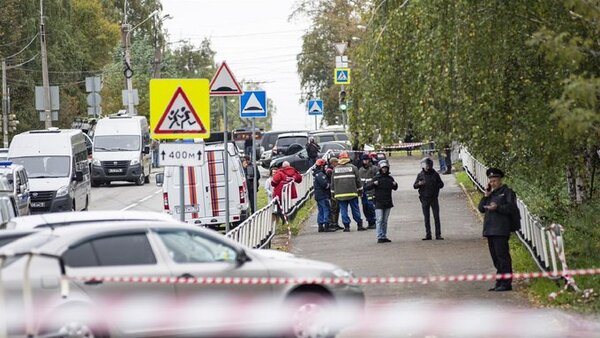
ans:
(282, 177)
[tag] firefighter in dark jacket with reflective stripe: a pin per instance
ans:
(346, 187)
(366, 172)
(498, 204)
(429, 184)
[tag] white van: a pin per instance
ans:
(56, 163)
(121, 150)
(204, 189)
(19, 184)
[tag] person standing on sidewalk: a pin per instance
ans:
(429, 183)
(252, 179)
(154, 147)
(498, 204)
(383, 184)
(312, 149)
(322, 195)
(334, 214)
(366, 172)
(346, 187)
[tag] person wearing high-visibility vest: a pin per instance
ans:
(346, 187)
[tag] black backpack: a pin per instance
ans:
(515, 214)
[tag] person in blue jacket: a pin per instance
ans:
(322, 195)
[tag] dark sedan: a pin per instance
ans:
(298, 160)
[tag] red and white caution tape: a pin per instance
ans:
(338, 281)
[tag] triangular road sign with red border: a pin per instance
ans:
(224, 83)
(180, 117)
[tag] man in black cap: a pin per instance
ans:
(498, 204)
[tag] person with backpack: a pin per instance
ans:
(383, 184)
(429, 183)
(502, 216)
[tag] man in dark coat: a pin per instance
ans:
(429, 183)
(498, 204)
(322, 194)
(312, 149)
(334, 213)
(252, 178)
(383, 183)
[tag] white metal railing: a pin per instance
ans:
(533, 234)
(259, 229)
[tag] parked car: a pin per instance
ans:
(164, 249)
(298, 160)
(18, 181)
(268, 142)
(3, 154)
(335, 148)
(322, 136)
(61, 219)
(9, 236)
(284, 141)
(57, 166)
(8, 210)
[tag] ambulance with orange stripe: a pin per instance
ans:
(204, 189)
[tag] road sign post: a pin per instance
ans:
(224, 84)
(315, 108)
(253, 104)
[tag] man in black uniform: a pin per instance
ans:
(498, 204)
(429, 184)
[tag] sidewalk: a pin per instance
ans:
(463, 251)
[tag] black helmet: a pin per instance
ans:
(426, 162)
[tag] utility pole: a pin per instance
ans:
(45, 80)
(4, 106)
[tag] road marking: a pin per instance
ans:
(135, 204)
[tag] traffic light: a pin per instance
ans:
(12, 122)
(343, 104)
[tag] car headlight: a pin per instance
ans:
(134, 162)
(64, 191)
(96, 161)
(341, 273)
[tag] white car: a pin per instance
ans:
(99, 307)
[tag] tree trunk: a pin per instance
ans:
(571, 185)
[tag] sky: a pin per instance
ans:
(257, 40)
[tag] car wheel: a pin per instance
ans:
(310, 311)
(141, 179)
(95, 184)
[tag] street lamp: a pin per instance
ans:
(128, 72)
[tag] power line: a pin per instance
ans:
(23, 63)
(16, 42)
(22, 50)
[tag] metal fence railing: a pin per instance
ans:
(259, 229)
(543, 242)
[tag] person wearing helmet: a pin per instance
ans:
(312, 149)
(366, 173)
(322, 195)
(346, 187)
(383, 184)
(429, 183)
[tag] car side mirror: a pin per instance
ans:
(242, 257)
(79, 176)
(146, 150)
(160, 179)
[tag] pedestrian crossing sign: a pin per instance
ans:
(341, 76)
(179, 109)
(315, 107)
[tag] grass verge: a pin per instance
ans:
(582, 244)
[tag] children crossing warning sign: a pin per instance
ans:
(179, 108)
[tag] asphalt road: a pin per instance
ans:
(128, 196)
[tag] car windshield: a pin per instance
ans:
(45, 166)
(324, 138)
(286, 141)
(25, 244)
(342, 137)
(117, 143)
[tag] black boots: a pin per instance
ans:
(361, 228)
(346, 227)
(326, 228)
(372, 226)
(321, 228)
